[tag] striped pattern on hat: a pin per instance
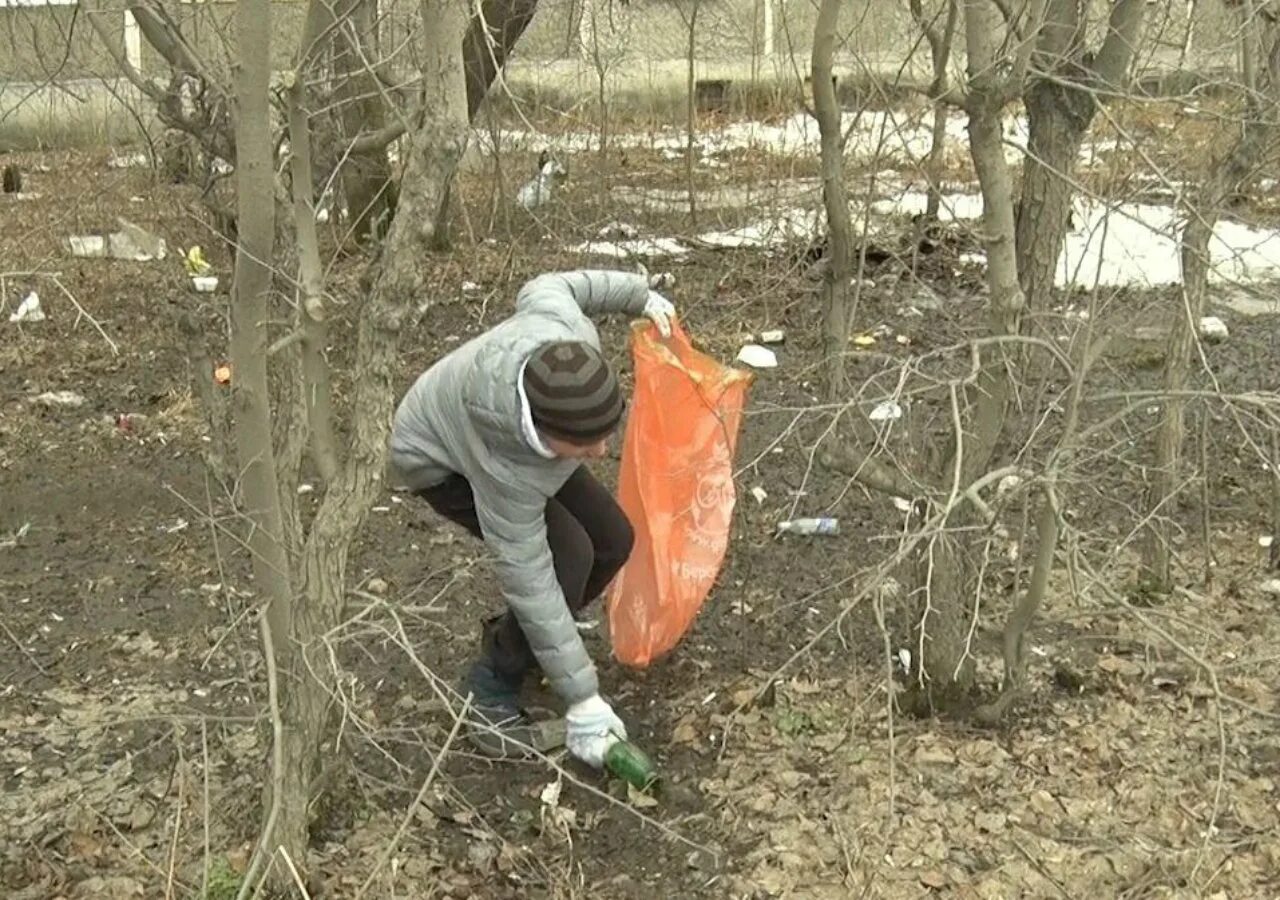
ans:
(573, 392)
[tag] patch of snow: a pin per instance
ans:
(1134, 244)
(882, 133)
(638, 247)
(788, 225)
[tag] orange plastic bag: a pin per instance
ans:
(676, 487)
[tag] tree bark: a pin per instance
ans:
(1226, 178)
(1062, 97)
(940, 41)
(366, 174)
(944, 575)
(250, 400)
(484, 53)
(835, 281)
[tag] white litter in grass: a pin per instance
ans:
(1213, 329)
(887, 411)
(60, 398)
(28, 310)
(134, 160)
(648, 247)
(758, 357)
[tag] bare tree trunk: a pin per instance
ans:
(484, 53)
(1062, 98)
(944, 571)
(835, 282)
(691, 112)
(317, 391)
(366, 175)
(940, 41)
(286, 802)
(1225, 179)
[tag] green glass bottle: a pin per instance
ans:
(628, 762)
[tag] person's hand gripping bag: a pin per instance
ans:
(676, 487)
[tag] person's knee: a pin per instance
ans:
(616, 549)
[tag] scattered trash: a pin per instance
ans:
(903, 339)
(1213, 329)
(538, 190)
(205, 284)
(196, 263)
(470, 287)
(28, 310)
(619, 230)
(887, 411)
(306, 488)
(130, 242)
(1265, 541)
(130, 422)
(904, 659)
(902, 504)
(777, 336)
(973, 259)
(864, 340)
(60, 398)
(134, 160)
(222, 374)
(822, 525)
(759, 493)
(12, 541)
(758, 357)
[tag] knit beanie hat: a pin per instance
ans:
(573, 392)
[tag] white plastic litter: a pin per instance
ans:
(538, 190)
(60, 398)
(1213, 329)
(622, 230)
(130, 242)
(902, 504)
(758, 357)
(28, 310)
(759, 493)
(205, 284)
(887, 411)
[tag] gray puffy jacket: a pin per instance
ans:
(463, 416)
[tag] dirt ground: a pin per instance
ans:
(131, 737)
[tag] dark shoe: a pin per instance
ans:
(496, 725)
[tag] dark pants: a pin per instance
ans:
(590, 539)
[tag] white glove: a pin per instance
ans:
(661, 311)
(591, 726)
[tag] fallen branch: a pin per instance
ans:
(413, 807)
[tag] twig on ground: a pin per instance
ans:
(413, 807)
(260, 852)
(25, 652)
(81, 311)
(177, 825)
